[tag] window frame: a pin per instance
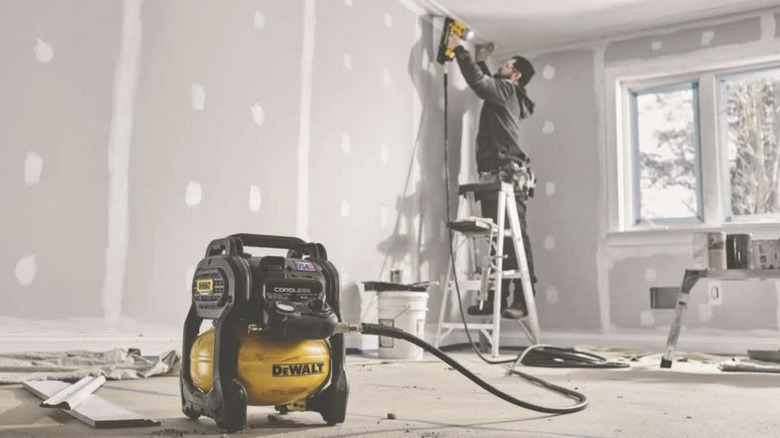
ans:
(713, 174)
(636, 213)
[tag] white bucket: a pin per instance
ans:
(406, 311)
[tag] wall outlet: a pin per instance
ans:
(715, 293)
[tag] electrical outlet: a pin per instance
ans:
(715, 293)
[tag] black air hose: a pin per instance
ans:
(582, 401)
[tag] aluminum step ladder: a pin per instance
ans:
(486, 277)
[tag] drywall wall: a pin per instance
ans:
(561, 137)
(607, 277)
(56, 103)
(157, 126)
(684, 41)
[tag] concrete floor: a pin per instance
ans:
(693, 399)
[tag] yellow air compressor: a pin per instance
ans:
(273, 372)
(273, 340)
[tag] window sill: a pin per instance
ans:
(682, 234)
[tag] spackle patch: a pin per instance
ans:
(548, 72)
(255, 199)
(198, 96)
(33, 166)
(193, 194)
(258, 114)
(346, 143)
(44, 52)
(25, 271)
(551, 294)
(706, 37)
(549, 189)
(259, 20)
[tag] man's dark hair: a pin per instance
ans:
(527, 71)
(525, 67)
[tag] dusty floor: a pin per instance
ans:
(430, 400)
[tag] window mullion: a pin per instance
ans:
(712, 185)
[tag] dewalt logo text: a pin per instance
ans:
(297, 369)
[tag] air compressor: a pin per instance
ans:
(277, 336)
(273, 340)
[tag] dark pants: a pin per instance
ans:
(489, 205)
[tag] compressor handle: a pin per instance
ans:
(268, 241)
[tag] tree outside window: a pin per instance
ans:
(751, 114)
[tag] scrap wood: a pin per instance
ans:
(73, 395)
(94, 410)
(749, 365)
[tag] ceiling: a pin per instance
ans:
(519, 25)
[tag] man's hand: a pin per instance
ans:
(484, 51)
(454, 41)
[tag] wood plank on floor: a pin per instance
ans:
(94, 410)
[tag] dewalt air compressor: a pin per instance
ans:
(273, 340)
(278, 336)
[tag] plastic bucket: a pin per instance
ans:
(406, 311)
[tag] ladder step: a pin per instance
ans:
(509, 274)
(459, 325)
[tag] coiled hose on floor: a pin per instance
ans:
(582, 401)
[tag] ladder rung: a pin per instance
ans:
(467, 283)
(479, 187)
(459, 325)
(476, 283)
(511, 274)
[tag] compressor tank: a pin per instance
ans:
(274, 372)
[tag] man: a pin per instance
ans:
(499, 155)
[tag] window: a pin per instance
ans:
(750, 108)
(700, 148)
(666, 153)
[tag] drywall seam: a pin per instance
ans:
(125, 85)
(304, 139)
(602, 259)
(768, 26)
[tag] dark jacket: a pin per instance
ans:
(498, 139)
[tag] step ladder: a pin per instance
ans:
(488, 274)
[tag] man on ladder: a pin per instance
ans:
(499, 156)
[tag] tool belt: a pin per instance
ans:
(521, 177)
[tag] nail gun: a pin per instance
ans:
(451, 26)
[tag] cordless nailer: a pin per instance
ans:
(451, 26)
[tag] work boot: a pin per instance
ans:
(487, 309)
(515, 311)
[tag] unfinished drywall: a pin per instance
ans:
(137, 132)
(56, 81)
(572, 185)
(684, 41)
(561, 137)
(214, 149)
